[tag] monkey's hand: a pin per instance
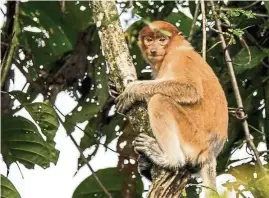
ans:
(125, 100)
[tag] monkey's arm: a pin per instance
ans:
(182, 92)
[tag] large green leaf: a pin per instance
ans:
(241, 59)
(46, 118)
(55, 32)
(111, 179)
(8, 190)
(22, 142)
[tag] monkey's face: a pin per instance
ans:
(155, 47)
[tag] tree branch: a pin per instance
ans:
(204, 29)
(165, 183)
(13, 45)
(235, 87)
(194, 22)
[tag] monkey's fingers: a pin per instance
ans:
(142, 137)
(119, 99)
(113, 93)
(122, 104)
(112, 90)
(138, 142)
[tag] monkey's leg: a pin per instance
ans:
(208, 174)
(166, 151)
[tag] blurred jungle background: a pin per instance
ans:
(54, 89)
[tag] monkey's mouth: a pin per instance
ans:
(155, 56)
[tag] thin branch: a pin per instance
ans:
(234, 9)
(13, 45)
(262, 152)
(91, 169)
(219, 42)
(107, 147)
(28, 77)
(229, 159)
(255, 129)
(235, 88)
(250, 5)
(194, 22)
(86, 161)
(204, 28)
(224, 33)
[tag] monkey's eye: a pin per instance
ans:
(148, 39)
(162, 39)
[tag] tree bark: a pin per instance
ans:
(165, 183)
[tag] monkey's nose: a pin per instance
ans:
(153, 51)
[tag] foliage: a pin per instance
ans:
(58, 49)
(8, 189)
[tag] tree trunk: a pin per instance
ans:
(165, 184)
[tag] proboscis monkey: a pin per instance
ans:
(186, 104)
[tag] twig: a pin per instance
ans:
(213, 46)
(91, 169)
(194, 22)
(257, 130)
(107, 147)
(86, 162)
(234, 9)
(224, 33)
(262, 152)
(235, 88)
(229, 159)
(28, 77)
(202, 186)
(250, 5)
(8, 60)
(204, 29)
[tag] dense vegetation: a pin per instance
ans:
(55, 45)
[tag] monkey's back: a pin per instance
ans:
(204, 125)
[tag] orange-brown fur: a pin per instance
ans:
(185, 99)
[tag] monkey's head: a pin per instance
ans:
(154, 39)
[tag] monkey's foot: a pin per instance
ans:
(151, 149)
(149, 146)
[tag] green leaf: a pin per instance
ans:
(45, 116)
(111, 179)
(184, 22)
(241, 59)
(22, 142)
(8, 190)
(55, 32)
(93, 103)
